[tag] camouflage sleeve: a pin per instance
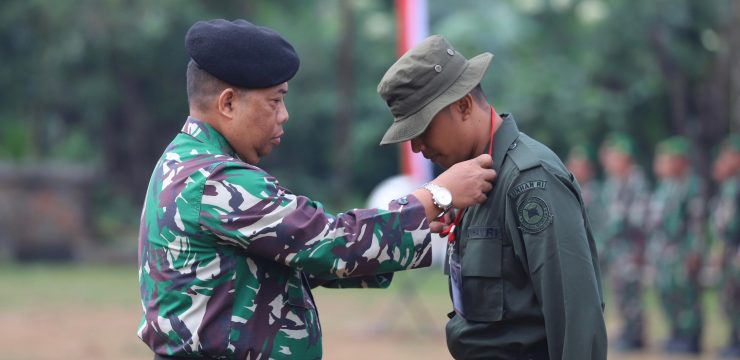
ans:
(614, 222)
(380, 281)
(725, 224)
(695, 215)
(639, 202)
(248, 208)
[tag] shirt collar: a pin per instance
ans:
(206, 134)
(504, 140)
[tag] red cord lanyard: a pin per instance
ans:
(449, 230)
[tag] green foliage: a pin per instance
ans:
(15, 140)
(88, 286)
(102, 82)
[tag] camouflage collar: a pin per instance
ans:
(504, 140)
(208, 135)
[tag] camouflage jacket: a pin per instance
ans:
(677, 211)
(227, 256)
(626, 202)
(725, 217)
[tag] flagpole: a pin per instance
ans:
(413, 26)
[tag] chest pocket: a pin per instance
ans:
(296, 294)
(482, 285)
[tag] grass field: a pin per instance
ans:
(91, 312)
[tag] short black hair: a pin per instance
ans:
(201, 86)
(478, 95)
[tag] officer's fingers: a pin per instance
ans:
(484, 161)
(486, 187)
(447, 219)
(489, 174)
(436, 226)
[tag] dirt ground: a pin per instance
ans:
(399, 323)
(109, 333)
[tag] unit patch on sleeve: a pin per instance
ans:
(526, 186)
(534, 215)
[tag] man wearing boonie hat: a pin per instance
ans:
(726, 230)
(676, 227)
(523, 271)
(227, 256)
(626, 198)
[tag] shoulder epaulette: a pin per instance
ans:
(523, 156)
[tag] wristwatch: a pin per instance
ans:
(441, 198)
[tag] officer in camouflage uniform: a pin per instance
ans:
(625, 197)
(677, 220)
(523, 271)
(227, 255)
(726, 228)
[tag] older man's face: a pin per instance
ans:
(258, 121)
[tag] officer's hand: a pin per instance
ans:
(468, 181)
(437, 226)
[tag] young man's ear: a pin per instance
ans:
(465, 105)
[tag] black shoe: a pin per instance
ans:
(625, 344)
(682, 345)
(730, 352)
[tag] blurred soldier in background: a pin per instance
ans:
(581, 164)
(726, 228)
(625, 196)
(676, 223)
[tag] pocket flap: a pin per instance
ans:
(482, 257)
(296, 295)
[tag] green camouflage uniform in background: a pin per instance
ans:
(677, 214)
(591, 189)
(622, 233)
(228, 256)
(726, 228)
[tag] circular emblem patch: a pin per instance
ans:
(534, 215)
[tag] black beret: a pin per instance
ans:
(241, 53)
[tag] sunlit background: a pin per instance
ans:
(91, 91)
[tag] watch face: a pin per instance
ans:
(444, 198)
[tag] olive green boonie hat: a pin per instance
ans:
(423, 81)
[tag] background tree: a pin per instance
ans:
(102, 82)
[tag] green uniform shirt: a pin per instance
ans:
(529, 273)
